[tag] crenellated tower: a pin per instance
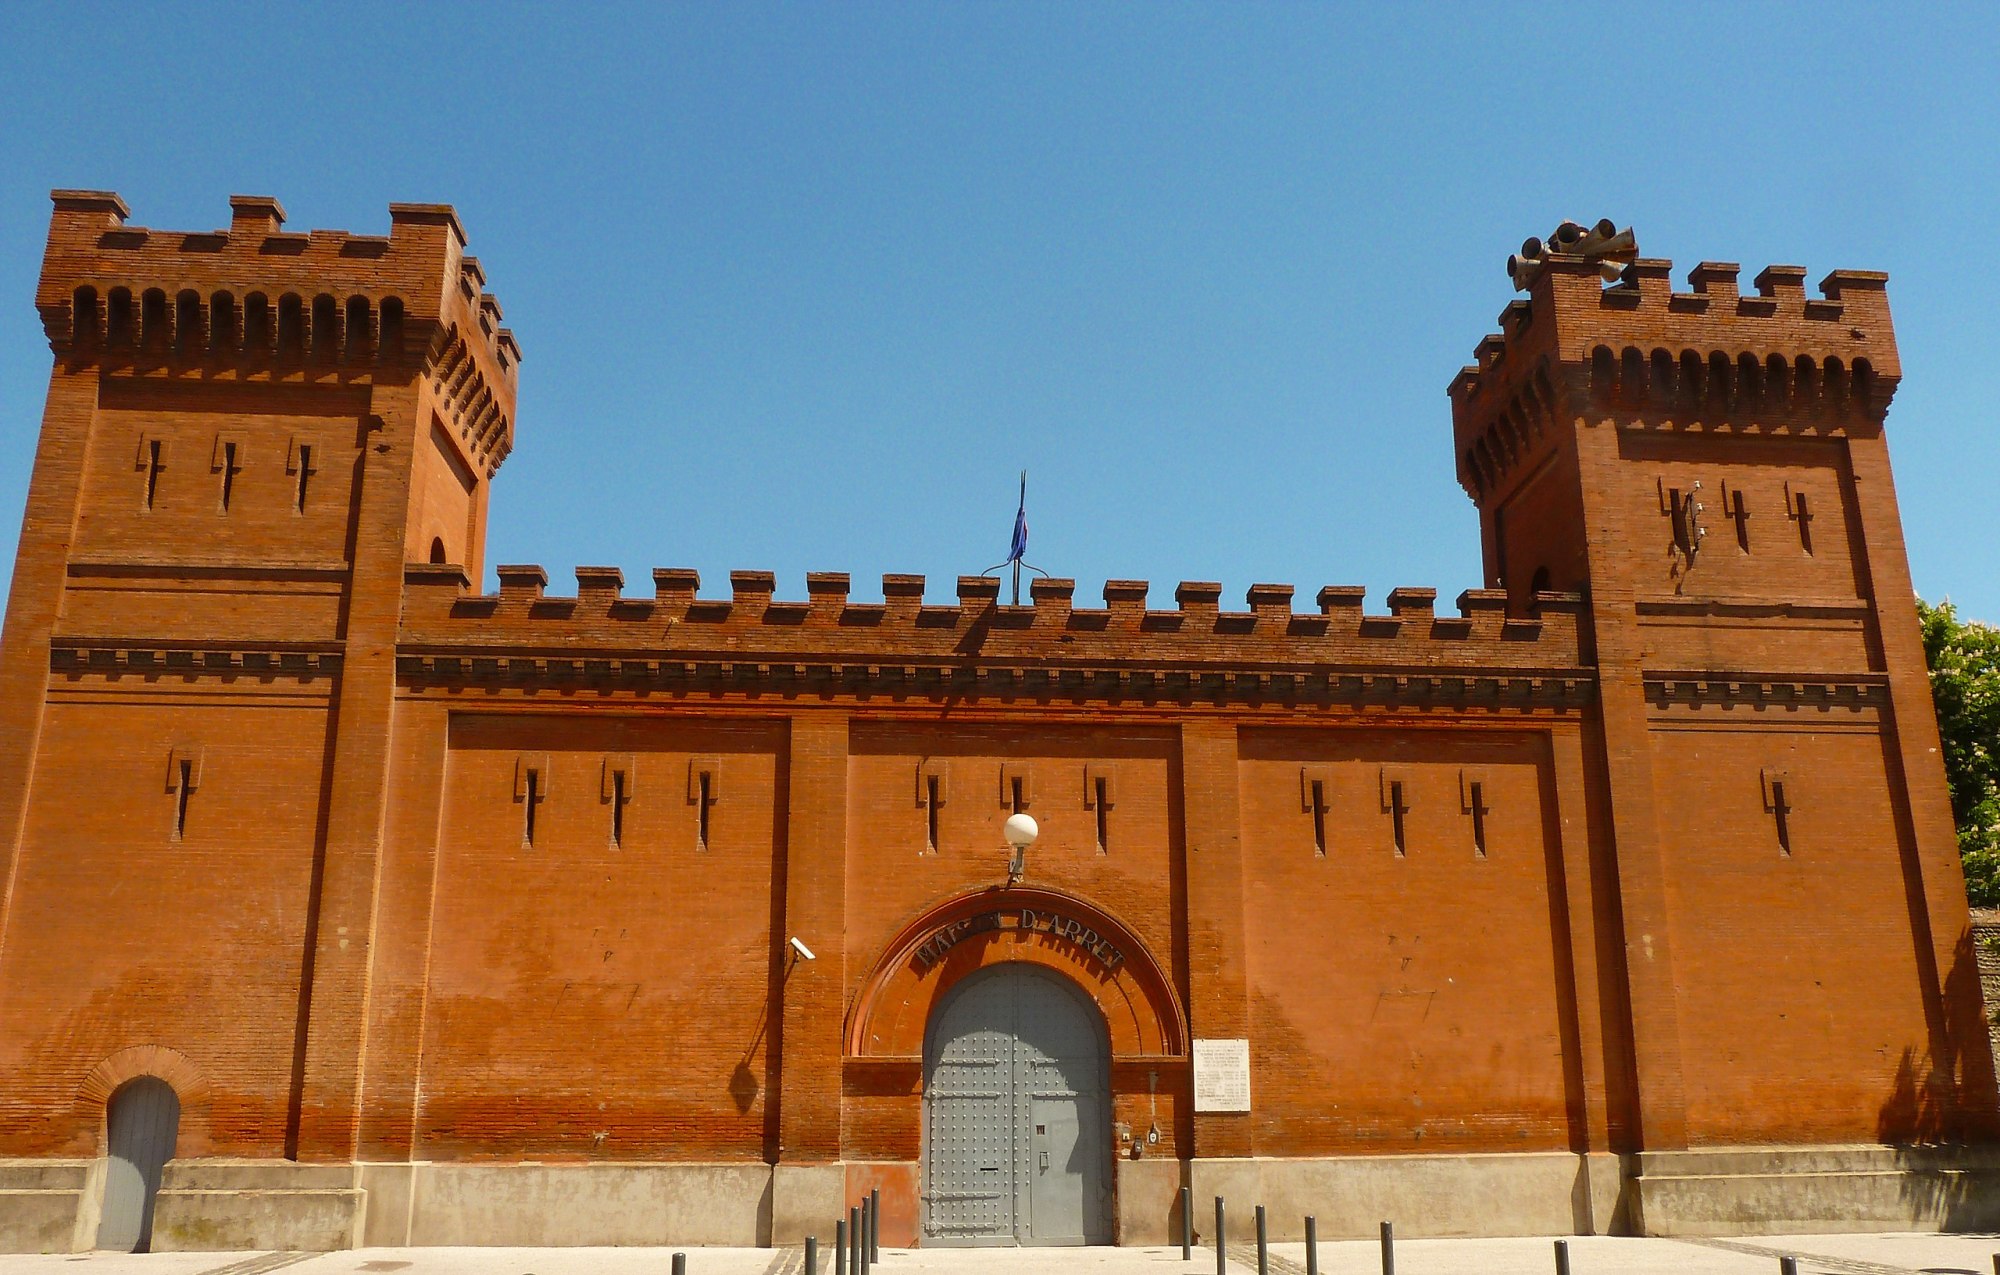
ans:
(1708, 468)
(276, 327)
(249, 433)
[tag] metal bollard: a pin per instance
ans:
(1312, 1245)
(1187, 1229)
(1221, 1241)
(867, 1238)
(812, 1255)
(1263, 1245)
(840, 1247)
(853, 1241)
(1562, 1257)
(1788, 1266)
(680, 1264)
(1388, 1248)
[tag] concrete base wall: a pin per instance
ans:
(806, 1199)
(50, 1206)
(1351, 1196)
(53, 1205)
(1807, 1190)
(1148, 1210)
(215, 1205)
(522, 1205)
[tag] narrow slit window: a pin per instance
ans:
(153, 467)
(184, 790)
(1018, 798)
(1802, 515)
(1319, 817)
(705, 799)
(931, 803)
(1099, 787)
(1737, 514)
(532, 799)
(305, 475)
(1396, 812)
(1479, 809)
(229, 471)
(617, 809)
(1781, 811)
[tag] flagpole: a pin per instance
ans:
(1018, 548)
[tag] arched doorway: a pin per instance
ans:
(143, 1120)
(1017, 1107)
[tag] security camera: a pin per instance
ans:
(804, 952)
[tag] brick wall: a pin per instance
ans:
(1545, 872)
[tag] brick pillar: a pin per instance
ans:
(341, 936)
(1628, 774)
(1218, 989)
(1590, 916)
(40, 568)
(1912, 748)
(399, 983)
(808, 1184)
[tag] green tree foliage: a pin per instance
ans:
(1964, 657)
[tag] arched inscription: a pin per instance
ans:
(1032, 920)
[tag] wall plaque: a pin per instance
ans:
(1222, 1075)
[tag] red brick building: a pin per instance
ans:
(1622, 896)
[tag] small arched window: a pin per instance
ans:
(291, 326)
(1694, 379)
(391, 341)
(120, 320)
(153, 319)
(1603, 371)
(224, 332)
(1862, 384)
(1749, 380)
(190, 323)
(325, 329)
(437, 550)
(360, 336)
(85, 316)
(257, 334)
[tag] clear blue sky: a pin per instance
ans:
(804, 287)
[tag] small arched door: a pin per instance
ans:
(1017, 1107)
(144, 1119)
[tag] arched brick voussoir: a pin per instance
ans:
(93, 1095)
(1066, 934)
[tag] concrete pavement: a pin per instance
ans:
(1899, 1254)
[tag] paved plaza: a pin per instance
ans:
(1898, 1254)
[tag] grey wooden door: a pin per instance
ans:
(1017, 1106)
(144, 1120)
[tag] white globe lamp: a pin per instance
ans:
(1020, 831)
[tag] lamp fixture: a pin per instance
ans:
(1020, 831)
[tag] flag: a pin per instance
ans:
(1019, 549)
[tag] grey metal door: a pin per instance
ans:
(144, 1120)
(1017, 1107)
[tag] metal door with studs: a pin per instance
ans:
(1017, 1137)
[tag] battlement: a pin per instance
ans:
(1479, 655)
(1776, 360)
(253, 301)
